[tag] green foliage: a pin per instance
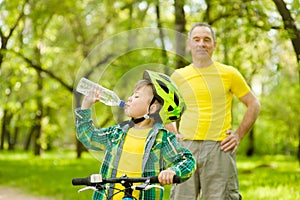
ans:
(267, 177)
(65, 40)
(276, 130)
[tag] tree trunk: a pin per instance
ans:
(294, 33)
(206, 17)
(6, 135)
(250, 150)
(289, 26)
(28, 139)
(39, 116)
(37, 137)
(161, 33)
(180, 23)
(3, 130)
(298, 155)
(79, 147)
(15, 138)
(5, 39)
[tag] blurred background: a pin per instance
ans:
(48, 45)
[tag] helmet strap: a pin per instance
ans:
(154, 115)
(152, 101)
(138, 120)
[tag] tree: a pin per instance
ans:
(294, 34)
(180, 23)
(47, 46)
(6, 33)
(290, 26)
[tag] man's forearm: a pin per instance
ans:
(249, 119)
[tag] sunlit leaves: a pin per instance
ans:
(60, 36)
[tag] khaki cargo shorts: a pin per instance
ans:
(215, 177)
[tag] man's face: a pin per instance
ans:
(201, 43)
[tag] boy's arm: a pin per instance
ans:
(86, 132)
(181, 159)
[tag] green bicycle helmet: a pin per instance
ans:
(166, 92)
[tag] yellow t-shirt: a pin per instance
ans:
(131, 158)
(208, 94)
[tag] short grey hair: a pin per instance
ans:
(205, 25)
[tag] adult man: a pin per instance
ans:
(208, 88)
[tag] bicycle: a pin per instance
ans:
(96, 182)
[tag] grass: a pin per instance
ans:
(267, 177)
(50, 175)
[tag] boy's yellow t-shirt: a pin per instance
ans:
(131, 158)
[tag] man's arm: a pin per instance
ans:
(250, 116)
(172, 127)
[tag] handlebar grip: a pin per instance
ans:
(81, 181)
(154, 179)
(176, 179)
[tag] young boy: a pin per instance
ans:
(140, 147)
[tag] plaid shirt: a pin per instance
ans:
(161, 151)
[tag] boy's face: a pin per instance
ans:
(138, 104)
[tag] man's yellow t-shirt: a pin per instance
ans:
(131, 158)
(208, 94)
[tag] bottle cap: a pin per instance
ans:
(122, 104)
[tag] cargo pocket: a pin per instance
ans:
(232, 189)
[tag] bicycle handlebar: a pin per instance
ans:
(95, 179)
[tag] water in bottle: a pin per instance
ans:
(107, 96)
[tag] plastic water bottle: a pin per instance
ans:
(107, 96)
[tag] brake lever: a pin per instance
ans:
(87, 188)
(143, 186)
(94, 188)
(147, 187)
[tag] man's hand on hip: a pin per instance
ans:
(231, 142)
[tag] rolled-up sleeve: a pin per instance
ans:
(86, 132)
(182, 162)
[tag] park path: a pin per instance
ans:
(8, 193)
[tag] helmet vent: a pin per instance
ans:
(170, 108)
(176, 99)
(173, 118)
(163, 86)
(165, 77)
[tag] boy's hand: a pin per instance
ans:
(165, 177)
(89, 100)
